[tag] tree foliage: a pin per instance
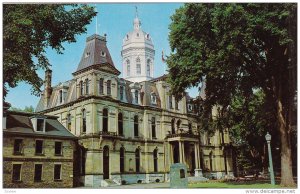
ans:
(29, 109)
(237, 49)
(28, 29)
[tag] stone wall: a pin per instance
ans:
(28, 159)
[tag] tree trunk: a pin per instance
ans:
(286, 157)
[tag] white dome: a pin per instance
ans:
(137, 37)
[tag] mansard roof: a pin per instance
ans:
(20, 123)
(95, 53)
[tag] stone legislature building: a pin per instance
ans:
(131, 129)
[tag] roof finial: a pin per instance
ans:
(136, 12)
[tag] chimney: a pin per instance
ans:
(48, 88)
(6, 106)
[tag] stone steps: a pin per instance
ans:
(108, 183)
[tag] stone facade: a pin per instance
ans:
(25, 154)
(132, 132)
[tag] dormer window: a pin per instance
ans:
(60, 96)
(148, 36)
(190, 107)
(103, 54)
(127, 37)
(136, 96)
(121, 92)
(40, 125)
(86, 86)
(153, 98)
(87, 54)
(137, 34)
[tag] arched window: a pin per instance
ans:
(105, 120)
(153, 98)
(137, 160)
(83, 121)
(148, 67)
(81, 87)
(101, 85)
(128, 67)
(170, 102)
(120, 124)
(121, 92)
(122, 159)
(108, 87)
(136, 96)
(69, 122)
(155, 158)
(178, 124)
(153, 127)
(136, 126)
(176, 104)
(138, 66)
(60, 96)
(173, 126)
(190, 127)
(86, 86)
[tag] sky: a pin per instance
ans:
(115, 20)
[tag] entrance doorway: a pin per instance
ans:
(193, 162)
(176, 153)
(105, 162)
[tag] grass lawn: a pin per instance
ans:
(233, 185)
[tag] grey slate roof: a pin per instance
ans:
(19, 122)
(95, 53)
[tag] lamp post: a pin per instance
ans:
(268, 139)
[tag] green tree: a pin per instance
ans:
(29, 109)
(28, 29)
(238, 48)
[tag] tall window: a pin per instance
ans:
(57, 172)
(190, 127)
(86, 86)
(137, 160)
(58, 148)
(120, 123)
(83, 121)
(153, 98)
(176, 104)
(148, 67)
(138, 66)
(173, 126)
(170, 102)
(40, 125)
(101, 86)
(60, 96)
(69, 122)
(155, 157)
(136, 126)
(81, 87)
(18, 146)
(38, 172)
(16, 174)
(108, 87)
(121, 92)
(178, 124)
(39, 147)
(153, 128)
(136, 96)
(105, 120)
(122, 159)
(128, 67)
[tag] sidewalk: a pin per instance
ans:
(164, 185)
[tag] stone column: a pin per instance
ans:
(181, 152)
(196, 156)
